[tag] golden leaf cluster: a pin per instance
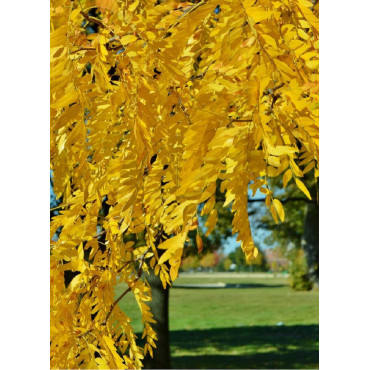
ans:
(151, 108)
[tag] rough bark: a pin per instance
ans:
(159, 308)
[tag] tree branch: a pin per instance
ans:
(286, 200)
(242, 120)
(138, 276)
(100, 234)
(93, 19)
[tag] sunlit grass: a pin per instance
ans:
(237, 327)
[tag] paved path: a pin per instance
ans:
(220, 285)
(192, 286)
(228, 275)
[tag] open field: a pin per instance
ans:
(237, 327)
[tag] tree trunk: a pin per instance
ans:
(159, 308)
(311, 241)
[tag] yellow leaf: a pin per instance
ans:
(274, 215)
(216, 87)
(150, 351)
(258, 14)
(283, 67)
(282, 150)
(303, 34)
(309, 167)
(76, 281)
(273, 161)
(287, 176)
(269, 40)
(75, 13)
(150, 35)
(199, 242)
(117, 360)
(296, 170)
(305, 7)
(172, 245)
(134, 5)
(128, 39)
(211, 222)
(279, 209)
(268, 200)
(208, 206)
(174, 271)
(103, 52)
(62, 142)
(302, 186)
(312, 64)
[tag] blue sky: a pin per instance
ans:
(258, 234)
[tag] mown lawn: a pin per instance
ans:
(261, 324)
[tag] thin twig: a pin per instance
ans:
(100, 234)
(242, 120)
(115, 303)
(111, 48)
(127, 263)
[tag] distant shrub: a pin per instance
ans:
(190, 262)
(227, 263)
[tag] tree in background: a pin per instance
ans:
(299, 275)
(300, 230)
(258, 264)
(209, 260)
(189, 263)
(150, 109)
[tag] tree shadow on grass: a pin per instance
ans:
(255, 347)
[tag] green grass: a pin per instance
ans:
(236, 327)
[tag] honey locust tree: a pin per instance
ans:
(150, 107)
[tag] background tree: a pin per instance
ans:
(189, 263)
(258, 264)
(209, 260)
(300, 230)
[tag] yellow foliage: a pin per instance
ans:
(147, 114)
